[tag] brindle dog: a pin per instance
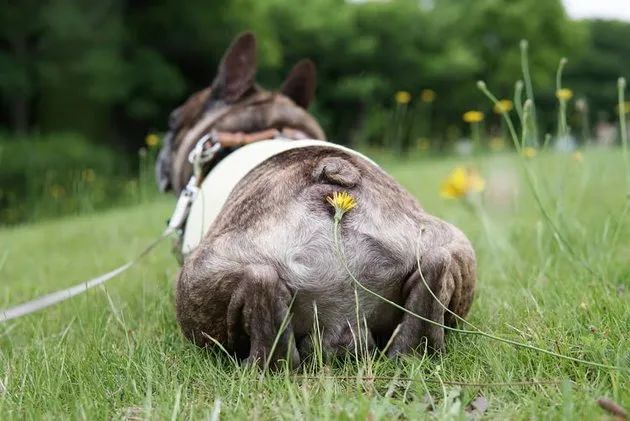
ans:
(269, 257)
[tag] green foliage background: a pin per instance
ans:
(75, 73)
(114, 69)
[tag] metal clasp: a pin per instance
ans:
(202, 153)
(184, 202)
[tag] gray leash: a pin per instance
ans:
(204, 151)
(64, 294)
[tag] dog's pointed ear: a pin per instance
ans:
(300, 83)
(237, 69)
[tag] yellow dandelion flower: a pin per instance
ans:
(577, 156)
(624, 108)
(427, 95)
(402, 97)
(473, 116)
(152, 140)
(529, 152)
(564, 94)
(503, 106)
(461, 182)
(342, 202)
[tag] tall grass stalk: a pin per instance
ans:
(621, 89)
(476, 331)
(563, 129)
(621, 93)
(518, 99)
(497, 243)
(529, 89)
(562, 133)
(531, 179)
(400, 125)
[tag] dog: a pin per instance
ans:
(267, 270)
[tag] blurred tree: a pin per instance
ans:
(19, 26)
(492, 31)
(115, 68)
(594, 75)
(177, 47)
(81, 68)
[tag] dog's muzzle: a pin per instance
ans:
(163, 165)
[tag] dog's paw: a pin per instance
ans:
(432, 343)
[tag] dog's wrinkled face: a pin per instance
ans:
(234, 103)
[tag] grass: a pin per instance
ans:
(116, 352)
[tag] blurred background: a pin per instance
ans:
(86, 87)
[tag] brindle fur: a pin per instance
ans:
(270, 258)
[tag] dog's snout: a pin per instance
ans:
(163, 165)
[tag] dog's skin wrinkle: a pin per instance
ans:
(272, 242)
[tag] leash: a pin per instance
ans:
(65, 294)
(204, 152)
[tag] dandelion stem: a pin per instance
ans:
(562, 110)
(483, 88)
(530, 178)
(529, 89)
(477, 331)
(518, 99)
(621, 89)
(621, 92)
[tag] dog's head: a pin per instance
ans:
(235, 103)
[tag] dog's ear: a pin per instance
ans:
(237, 69)
(300, 83)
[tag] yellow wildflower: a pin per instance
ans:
(625, 108)
(564, 94)
(577, 156)
(152, 140)
(529, 152)
(342, 202)
(473, 116)
(427, 95)
(402, 97)
(424, 144)
(461, 182)
(503, 106)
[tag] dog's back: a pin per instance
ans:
(277, 222)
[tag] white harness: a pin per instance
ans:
(202, 203)
(221, 180)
